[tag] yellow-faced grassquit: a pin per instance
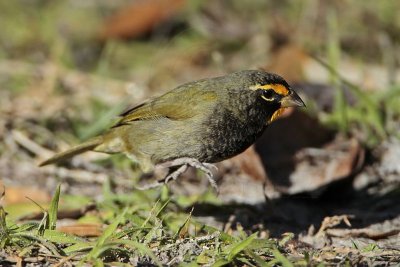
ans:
(195, 124)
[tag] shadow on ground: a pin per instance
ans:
(296, 213)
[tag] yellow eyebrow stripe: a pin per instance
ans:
(278, 88)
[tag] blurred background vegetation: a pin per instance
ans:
(68, 68)
(159, 45)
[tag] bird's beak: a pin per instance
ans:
(292, 100)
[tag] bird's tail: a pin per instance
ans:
(88, 145)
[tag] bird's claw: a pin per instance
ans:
(210, 166)
(206, 168)
(183, 164)
(175, 174)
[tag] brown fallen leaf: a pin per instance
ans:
(139, 17)
(289, 61)
(286, 137)
(301, 155)
(62, 214)
(250, 163)
(364, 232)
(316, 168)
(23, 194)
(82, 229)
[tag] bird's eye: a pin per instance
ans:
(268, 94)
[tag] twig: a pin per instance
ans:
(29, 144)
(333, 221)
(78, 175)
(65, 260)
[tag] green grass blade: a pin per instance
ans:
(61, 238)
(151, 215)
(282, 259)
(260, 262)
(236, 249)
(78, 247)
(33, 236)
(108, 232)
(220, 262)
(162, 207)
(141, 248)
(52, 218)
(184, 224)
(4, 236)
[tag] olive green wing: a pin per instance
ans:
(175, 105)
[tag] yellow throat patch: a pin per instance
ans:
(276, 115)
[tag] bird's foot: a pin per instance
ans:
(206, 168)
(174, 174)
(150, 186)
(179, 166)
(183, 164)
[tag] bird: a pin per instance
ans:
(196, 124)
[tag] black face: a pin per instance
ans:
(269, 95)
(269, 88)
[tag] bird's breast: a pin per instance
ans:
(227, 133)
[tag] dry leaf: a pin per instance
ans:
(82, 229)
(283, 139)
(365, 232)
(289, 61)
(317, 167)
(140, 18)
(250, 163)
(63, 214)
(24, 194)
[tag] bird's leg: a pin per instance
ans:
(174, 173)
(184, 163)
(179, 166)
(210, 166)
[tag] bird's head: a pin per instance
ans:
(272, 90)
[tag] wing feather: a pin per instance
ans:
(173, 105)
